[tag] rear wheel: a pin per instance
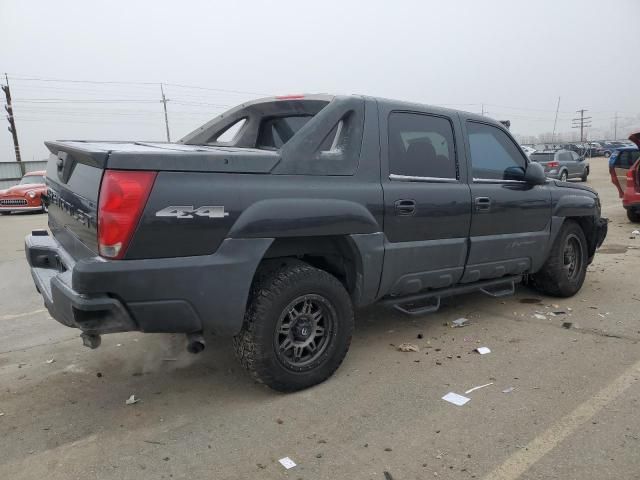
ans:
(563, 273)
(297, 329)
(563, 176)
(633, 215)
(585, 174)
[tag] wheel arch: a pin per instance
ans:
(355, 260)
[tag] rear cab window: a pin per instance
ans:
(494, 156)
(421, 146)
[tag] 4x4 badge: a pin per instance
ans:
(188, 211)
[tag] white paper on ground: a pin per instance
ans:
(287, 463)
(455, 399)
(483, 350)
(478, 387)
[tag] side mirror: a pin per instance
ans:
(534, 175)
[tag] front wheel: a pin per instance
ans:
(563, 273)
(297, 328)
(633, 215)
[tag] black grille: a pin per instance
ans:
(12, 202)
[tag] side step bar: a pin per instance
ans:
(500, 287)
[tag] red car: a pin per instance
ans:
(26, 196)
(627, 180)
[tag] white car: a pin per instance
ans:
(527, 150)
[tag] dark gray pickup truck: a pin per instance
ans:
(272, 222)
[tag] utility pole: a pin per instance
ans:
(582, 122)
(166, 118)
(615, 127)
(12, 122)
(555, 122)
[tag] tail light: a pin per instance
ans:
(123, 195)
(553, 164)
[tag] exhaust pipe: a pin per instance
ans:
(195, 342)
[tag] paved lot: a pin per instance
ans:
(573, 412)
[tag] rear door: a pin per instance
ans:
(579, 164)
(427, 204)
(511, 219)
(619, 164)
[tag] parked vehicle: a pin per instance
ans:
(624, 166)
(316, 206)
(562, 164)
(527, 150)
(25, 196)
(607, 149)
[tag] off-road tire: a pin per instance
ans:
(633, 215)
(273, 290)
(553, 279)
(585, 175)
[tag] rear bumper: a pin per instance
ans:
(174, 295)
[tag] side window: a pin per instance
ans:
(575, 156)
(421, 146)
(494, 156)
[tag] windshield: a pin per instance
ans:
(31, 179)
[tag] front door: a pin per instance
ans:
(510, 224)
(427, 204)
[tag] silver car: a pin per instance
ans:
(562, 164)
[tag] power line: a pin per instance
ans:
(120, 82)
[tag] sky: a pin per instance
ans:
(92, 70)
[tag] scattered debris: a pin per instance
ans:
(388, 449)
(387, 476)
(169, 359)
(131, 400)
(483, 350)
(118, 344)
(567, 325)
(539, 316)
(318, 455)
(99, 375)
(601, 315)
(51, 360)
(456, 399)
(477, 388)
(287, 463)
(635, 232)
(460, 322)
(153, 442)
(1, 414)
(420, 336)
(279, 421)
(408, 347)
(508, 390)
(557, 312)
